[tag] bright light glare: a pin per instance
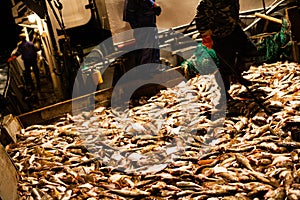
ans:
(32, 18)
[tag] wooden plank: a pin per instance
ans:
(49, 113)
(8, 177)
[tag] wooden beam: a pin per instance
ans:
(273, 19)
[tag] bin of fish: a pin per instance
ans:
(172, 147)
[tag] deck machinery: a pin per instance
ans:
(67, 31)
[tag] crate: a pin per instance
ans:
(11, 126)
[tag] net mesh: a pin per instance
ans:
(272, 47)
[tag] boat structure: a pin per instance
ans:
(85, 48)
(67, 35)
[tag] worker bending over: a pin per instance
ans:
(219, 26)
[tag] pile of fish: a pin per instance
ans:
(177, 145)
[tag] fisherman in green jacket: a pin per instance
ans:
(219, 26)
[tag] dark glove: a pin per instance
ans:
(157, 10)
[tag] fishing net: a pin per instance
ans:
(203, 61)
(274, 47)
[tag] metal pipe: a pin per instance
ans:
(245, 12)
(7, 82)
(60, 23)
(48, 48)
(264, 6)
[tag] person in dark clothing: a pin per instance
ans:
(28, 52)
(141, 14)
(219, 26)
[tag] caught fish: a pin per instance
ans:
(131, 193)
(170, 147)
(244, 161)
